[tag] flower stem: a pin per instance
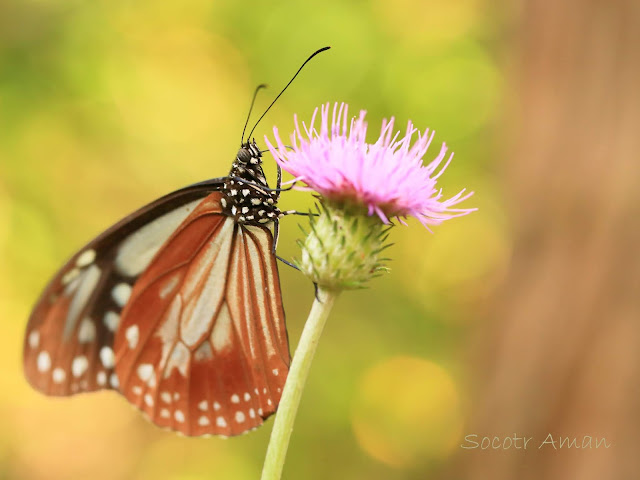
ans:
(283, 425)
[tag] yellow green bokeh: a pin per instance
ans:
(407, 412)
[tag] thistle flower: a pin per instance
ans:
(363, 187)
(386, 178)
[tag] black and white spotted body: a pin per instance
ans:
(247, 196)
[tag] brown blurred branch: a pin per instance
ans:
(563, 354)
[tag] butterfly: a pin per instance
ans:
(178, 307)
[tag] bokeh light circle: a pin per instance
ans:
(406, 412)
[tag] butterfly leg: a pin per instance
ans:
(258, 187)
(287, 262)
(276, 232)
(276, 225)
(304, 214)
(279, 181)
(276, 235)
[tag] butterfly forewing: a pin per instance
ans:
(202, 346)
(69, 338)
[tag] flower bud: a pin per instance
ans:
(343, 249)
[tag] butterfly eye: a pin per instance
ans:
(244, 155)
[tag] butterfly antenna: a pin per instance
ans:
(253, 100)
(286, 86)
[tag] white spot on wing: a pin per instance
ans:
(216, 406)
(111, 320)
(137, 251)
(86, 331)
(113, 381)
(58, 375)
(145, 372)
(43, 362)
(221, 422)
(107, 357)
(34, 339)
(179, 416)
(203, 405)
(132, 334)
(101, 379)
(148, 399)
(203, 421)
(165, 397)
(79, 365)
(235, 398)
(121, 293)
(86, 258)
(240, 417)
(164, 413)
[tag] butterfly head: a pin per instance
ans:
(247, 196)
(249, 154)
(248, 164)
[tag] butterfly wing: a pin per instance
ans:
(69, 338)
(202, 347)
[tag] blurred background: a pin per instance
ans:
(522, 318)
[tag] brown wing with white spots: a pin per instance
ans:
(202, 347)
(68, 345)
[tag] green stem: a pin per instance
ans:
(283, 425)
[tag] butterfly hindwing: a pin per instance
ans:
(202, 346)
(69, 340)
